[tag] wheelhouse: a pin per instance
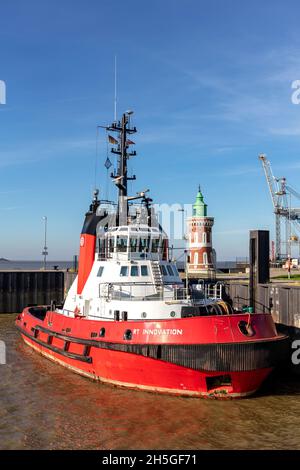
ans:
(132, 243)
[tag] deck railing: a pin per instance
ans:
(143, 291)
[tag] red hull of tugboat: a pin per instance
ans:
(201, 356)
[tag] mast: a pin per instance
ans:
(121, 178)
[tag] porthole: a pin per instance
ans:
(102, 333)
(172, 314)
(128, 335)
(144, 315)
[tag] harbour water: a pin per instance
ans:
(44, 406)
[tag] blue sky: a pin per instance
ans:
(210, 85)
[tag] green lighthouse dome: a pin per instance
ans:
(200, 208)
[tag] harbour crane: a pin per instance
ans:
(281, 194)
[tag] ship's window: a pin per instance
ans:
(155, 245)
(144, 270)
(101, 246)
(100, 271)
(170, 270)
(111, 244)
(124, 271)
(133, 244)
(134, 271)
(121, 244)
(175, 270)
(163, 270)
(144, 245)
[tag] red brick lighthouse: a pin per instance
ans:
(202, 257)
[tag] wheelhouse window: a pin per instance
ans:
(170, 270)
(121, 244)
(101, 247)
(155, 245)
(144, 245)
(124, 271)
(133, 245)
(100, 271)
(144, 270)
(175, 271)
(134, 271)
(111, 244)
(163, 270)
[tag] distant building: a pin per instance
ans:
(202, 256)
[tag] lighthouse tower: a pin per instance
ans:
(202, 257)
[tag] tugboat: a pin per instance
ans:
(129, 320)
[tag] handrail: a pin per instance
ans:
(151, 291)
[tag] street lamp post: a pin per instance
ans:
(45, 251)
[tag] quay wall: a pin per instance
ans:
(20, 288)
(281, 300)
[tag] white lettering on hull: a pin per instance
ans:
(160, 331)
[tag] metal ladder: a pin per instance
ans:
(211, 291)
(157, 277)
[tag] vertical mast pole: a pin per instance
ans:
(115, 103)
(123, 174)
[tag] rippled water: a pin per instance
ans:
(44, 406)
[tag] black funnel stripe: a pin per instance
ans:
(90, 224)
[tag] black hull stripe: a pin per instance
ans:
(225, 357)
(77, 357)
